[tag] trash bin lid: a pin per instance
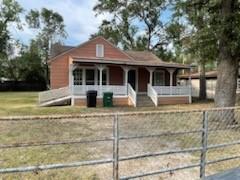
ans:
(91, 92)
(108, 93)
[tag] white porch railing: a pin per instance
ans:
(81, 90)
(53, 94)
(172, 90)
(132, 95)
(152, 94)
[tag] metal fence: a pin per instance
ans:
(146, 145)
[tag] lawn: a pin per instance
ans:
(26, 103)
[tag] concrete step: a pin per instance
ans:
(144, 101)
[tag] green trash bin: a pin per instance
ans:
(108, 99)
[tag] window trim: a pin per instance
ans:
(95, 75)
(99, 50)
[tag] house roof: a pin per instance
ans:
(133, 62)
(209, 74)
(58, 49)
(137, 58)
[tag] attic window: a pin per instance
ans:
(100, 50)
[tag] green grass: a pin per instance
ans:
(26, 103)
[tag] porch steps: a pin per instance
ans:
(144, 101)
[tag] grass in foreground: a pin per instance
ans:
(26, 103)
(92, 128)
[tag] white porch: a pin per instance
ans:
(96, 77)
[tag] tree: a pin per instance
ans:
(123, 29)
(201, 42)
(51, 29)
(26, 66)
(9, 12)
(218, 37)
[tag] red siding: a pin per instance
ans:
(59, 66)
(59, 74)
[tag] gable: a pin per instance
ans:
(88, 50)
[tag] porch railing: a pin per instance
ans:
(152, 94)
(81, 90)
(132, 95)
(53, 94)
(172, 90)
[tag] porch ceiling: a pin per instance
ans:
(129, 63)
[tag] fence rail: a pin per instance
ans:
(140, 136)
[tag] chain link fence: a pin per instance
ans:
(142, 145)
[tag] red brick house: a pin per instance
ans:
(134, 77)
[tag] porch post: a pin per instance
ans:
(190, 85)
(71, 83)
(171, 71)
(151, 70)
(126, 69)
(100, 68)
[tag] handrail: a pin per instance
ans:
(53, 94)
(132, 95)
(152, 94)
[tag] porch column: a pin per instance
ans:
(71, 83)
(171, 71)
(126, 69)
(190, 85)
(100, 68)
(151, 70)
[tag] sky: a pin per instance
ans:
(80, 19)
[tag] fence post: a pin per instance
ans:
(115, 148)
(204, 144)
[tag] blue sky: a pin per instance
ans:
(79, 18)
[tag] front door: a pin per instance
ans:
(132, 78)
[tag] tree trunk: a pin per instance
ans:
(202, 82)
(225, 94)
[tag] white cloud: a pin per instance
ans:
(79, 18)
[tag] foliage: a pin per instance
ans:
(27, 66)
(51, 28)
(9, 12)
(124, 29)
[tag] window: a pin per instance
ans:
(100, 50)
(77, 76)
(104, 77)
(159, 78)
(90, 73)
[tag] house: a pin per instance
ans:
(134, 77)
(211, 80)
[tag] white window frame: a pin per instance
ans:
(163, 73)
(95, 74)
(78, 77)
(99, 50)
